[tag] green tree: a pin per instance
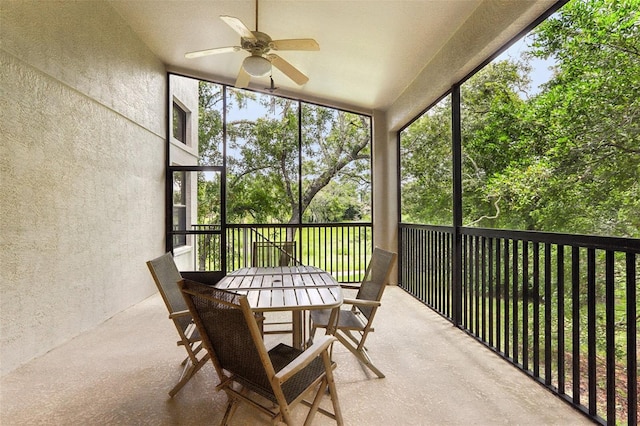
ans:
(336, 152)
(592, 110)
(566, 159)
(494, 139)
(263, 156)
(491, 130)
(425, 163)
(210, 124)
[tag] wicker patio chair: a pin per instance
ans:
(356, 323)
(166, 276)
(271, 381)
(273, 254)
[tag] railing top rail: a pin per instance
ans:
(631, 245)
(574, 240)
(439, 228)
(336, 224)
(297, 225)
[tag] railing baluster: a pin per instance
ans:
(449, 311)
(434, 265)
(560, 314)
(421, 260)
(414, 261)
(536, 309)
(440, 271)
(467, 243)
(430, 257)
(407, 258)
(506, 296)
(632, 356)
(547, 314)
(423, 278)
(491, 291)
(515, 295)
(484, 289)
(477, 285)
(591, 329)
(498, 287)
(610, 337)
(575, 319)
(525, 305)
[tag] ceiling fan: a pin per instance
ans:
(260, 46)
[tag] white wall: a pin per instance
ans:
(184, 91)
(82, 128)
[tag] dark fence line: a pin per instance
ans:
(562, 308)
(206, 241)
(343, 249)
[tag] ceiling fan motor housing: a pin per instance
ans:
(261, 44)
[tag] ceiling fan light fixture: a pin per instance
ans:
(256, 66)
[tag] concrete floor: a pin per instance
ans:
(120, 373)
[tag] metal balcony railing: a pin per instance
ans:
(343, 249)
(562, 308)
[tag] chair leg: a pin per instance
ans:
(187, 374)
(312, 334)
(231, 409)
(331, 384)
(316, 402)
(362, 355)
(353, 338)
(184, 362)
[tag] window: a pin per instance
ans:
(252, 159)
(179, 123)
(179, 208)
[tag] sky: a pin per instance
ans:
(541, 69)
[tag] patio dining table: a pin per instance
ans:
(286, 288)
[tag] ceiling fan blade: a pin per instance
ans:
(238, 27)
(295, 44)
(214, 51)
(242, 81)
(289, 70)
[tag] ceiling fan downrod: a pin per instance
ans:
(256, 15)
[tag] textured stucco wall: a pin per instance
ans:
(82, 124)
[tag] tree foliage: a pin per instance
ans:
(565, 159)
(426, 168)
(265, 157)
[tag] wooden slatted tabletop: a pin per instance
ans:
(286, 288)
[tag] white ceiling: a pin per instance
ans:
(370, 51)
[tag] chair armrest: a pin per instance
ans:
(350, 286)
(360, 302)
(353, 286)
(319, 345)
(178, 314)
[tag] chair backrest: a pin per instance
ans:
(375, 278)
(273, 253)
(230, 333)
(166, 276)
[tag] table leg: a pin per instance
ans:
(297, 328)
(332, 325)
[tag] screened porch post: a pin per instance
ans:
(456, 141)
